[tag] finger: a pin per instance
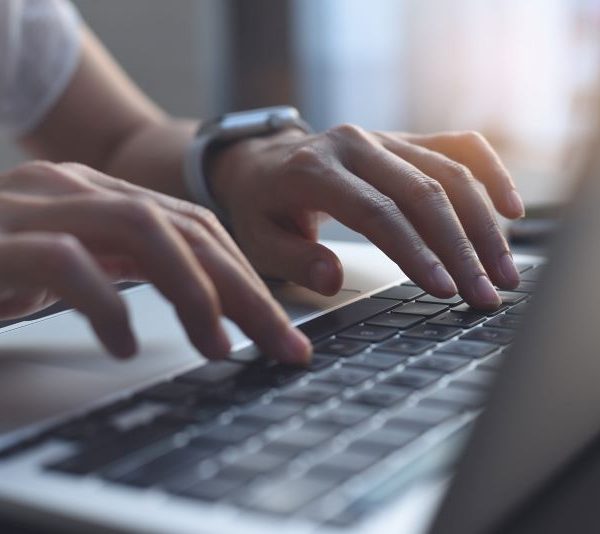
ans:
(59, 263)
(427, 206)
(138, 230)
(329, 187)
(283, 254)
(474, 151)
(250, 305)
(470, 205)
(197, 213)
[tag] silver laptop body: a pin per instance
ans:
(544, 407)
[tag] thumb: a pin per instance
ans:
(289, 256)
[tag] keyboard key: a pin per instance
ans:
(456, 299)
(421, 308)
(405, 346)
(260, 462)
(230, 434)
(476, 378)
(434, 332)
(403, 293)
(210, 490)
(343, 465)
(193, 414)
(285, 496)
(465, 308)
(212, 373)
(395, 320)
(493, 335)
(531, 275)
(351, 314)
(414, 378)
(235, 472)
(372, 334)
(346, 376)
(519, 309)
(382, 396)
(305, 437)
(459, 319)
(492, 363)
(341, 347)
(526, 287)
(523, 266)
(385, 440)
(97, 456)
(505, 321)
(345, 415)
(375, 360)
(242, 393)
(510, 297)
(171, 392)
(84, 429)
(154, 472)
(464, 399)
(274, 412)
(313, 392)
(420, 417)
(321, 361)
(444, 363)
(268, 373)
(470, 349)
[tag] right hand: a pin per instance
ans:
(68, 231)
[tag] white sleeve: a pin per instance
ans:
(39, 51)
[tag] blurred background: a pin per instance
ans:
(525, 74)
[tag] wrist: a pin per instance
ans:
(229, 165)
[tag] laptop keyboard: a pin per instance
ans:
(389, 372)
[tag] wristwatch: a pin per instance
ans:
(227, 129)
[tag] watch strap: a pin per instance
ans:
(277, 119)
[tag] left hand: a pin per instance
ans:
(414, 196)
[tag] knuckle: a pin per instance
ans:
(207, 217)
(305, 158)
(423, 189)
(457, 173)
(44, 169)
(474, 138)
(463, 249)
(139, 213)
(491, 230)
(61, 253)
(347, 132)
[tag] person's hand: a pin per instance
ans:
(415, 197)
(67, 231)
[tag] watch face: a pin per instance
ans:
(258, 117)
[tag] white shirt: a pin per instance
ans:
(39, 51)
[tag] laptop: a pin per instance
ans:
(416, 415)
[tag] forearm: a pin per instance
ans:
(105, 121)
(152, 156)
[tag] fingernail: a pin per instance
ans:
(296, 348)
(443, 280)
(508, 269)
(319, 276)
(485, 291)
(516, 203)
